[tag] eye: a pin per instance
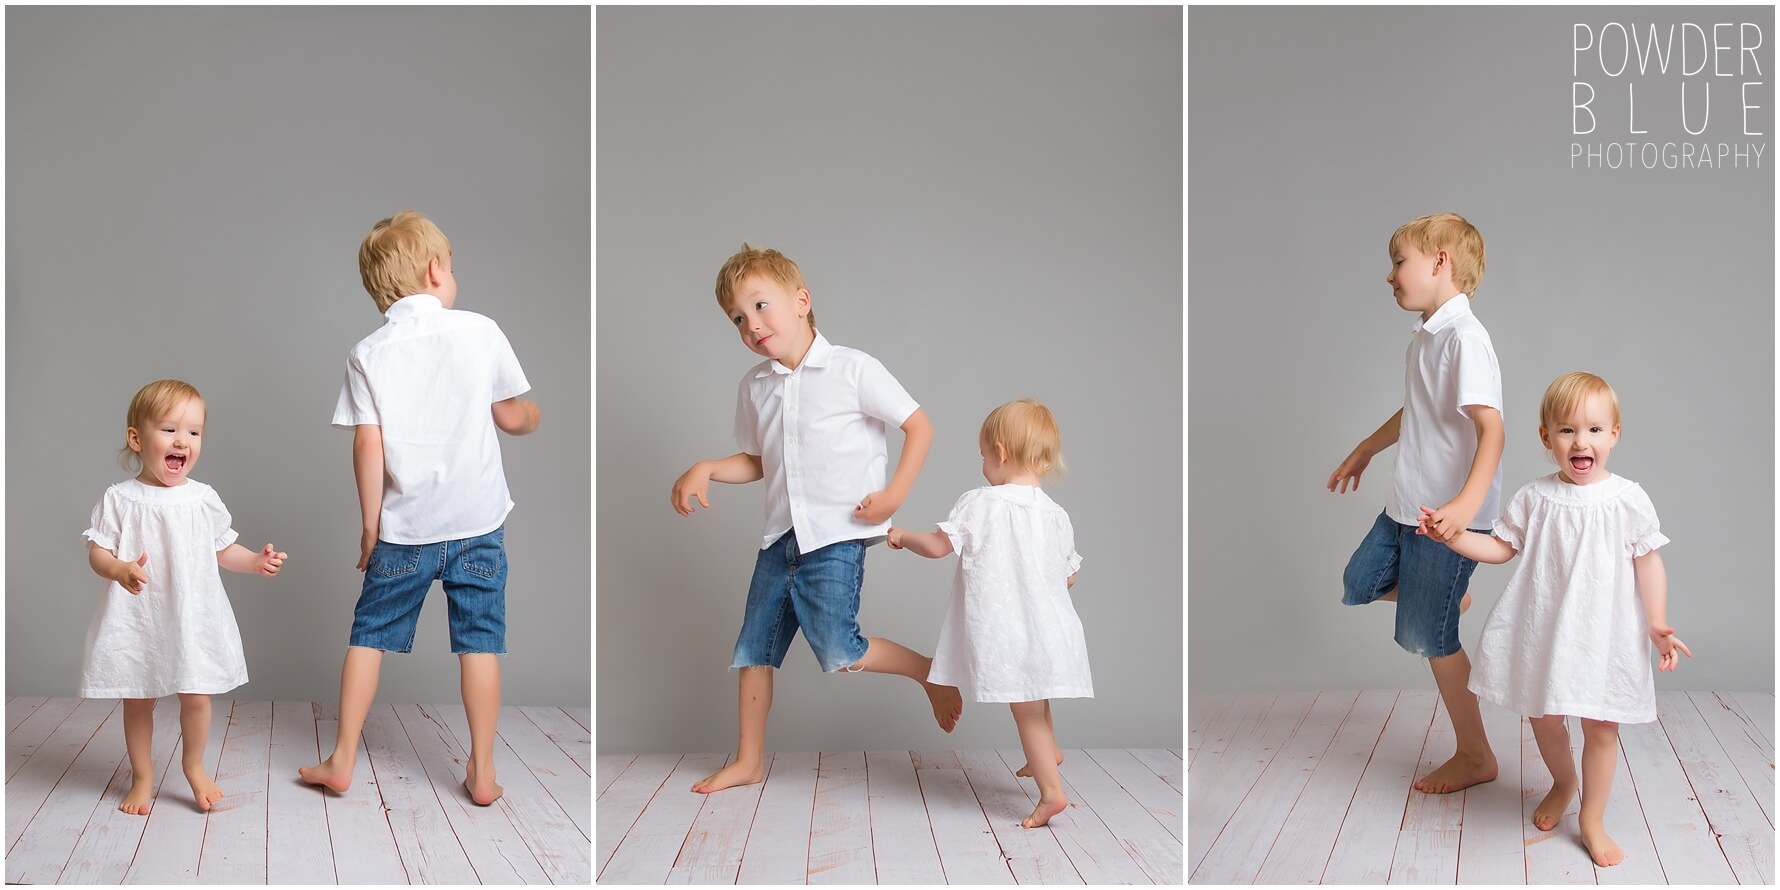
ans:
(1594, 429)
(759, 305)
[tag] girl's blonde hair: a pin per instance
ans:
(152, 402)
(1029, 433)
(1568, 391)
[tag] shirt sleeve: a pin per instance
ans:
(106, 525)
(1479, 377)
(1511, 526)
(355, 405)
(1072, 561)
(509, 378)
(1645, 531)
(960, 525)
(880, 396)
(220, 521)
(747, 418)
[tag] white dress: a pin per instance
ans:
(1011, 632)
(179, 633)
(1569, 635)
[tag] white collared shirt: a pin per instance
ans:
(819, 432)
(430, 377)
(1450, 364)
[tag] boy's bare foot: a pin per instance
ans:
(1027, 769)
(328, 775)
(1551, 809)
(737, 773)
(948, 704)
(1462, 771)
(1600, 847)
(482, 791)
(1047, 807)
(204, 791)
(136, 801)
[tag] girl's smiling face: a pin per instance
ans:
(169, 447)
(1581, 440)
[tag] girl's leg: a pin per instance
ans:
(1600, 755)
(194, 733)
(754, 700)
(1041, 754)
(889, 657)
(1026, 770)
(1554, 745)
(139, 731)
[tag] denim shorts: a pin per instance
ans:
(815, 592)
(1430, 578)
(398, 577)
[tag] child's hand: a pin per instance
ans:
(1667, 644)
(876, 507)
(1350, 469)
(693, 483)
(366, 542)
(270, 560)
(895, 539)
(1449, 521)
(131, 575)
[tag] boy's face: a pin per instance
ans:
(1415, 278)
(770, 319)
(1582, 440)
(169, 447)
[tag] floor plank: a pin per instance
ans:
(424, 836)
(1202, 711)
(935, 760)
(1428, 844)
(713, 849)
(1491, 847)
(235, 834)
(1744, 833)
(297, 844)
(173, 839)
(1166, 765)
(626, 798)
(1232, 721)
(555, 841)
(646, 853)
(967, 848)
(1228, 775)
(1626, 825)
(778, 849)
(840, 832)
(496, 850)
(1156, 851)
(570, 736)
(1163, 801)
(554, 770)
(108, 842)
(1743, 745)
(1093, 851)
(18, 708)
(901, 837)
(1307, 837)
(31, 786)
(583, 716)
(607, 768)
(1685, 844)
(1758, 707)
(43, 850)
(362, 835)
(23, 739)
(1367, 842)
(1032, 854)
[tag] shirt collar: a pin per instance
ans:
(410, 306)
(816, 356)
(1452, 310)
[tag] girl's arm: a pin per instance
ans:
(1653, 586)
(106, 565)
(237, 558)
(932, 545)
(1471, 545)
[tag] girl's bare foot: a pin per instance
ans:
(1047, 807)
(328, 774)
(136, 801)
(737, 773)
(204, 791)
(948, 704)
(1551, 809)
(1601, 847)
(1027, 769)
(1461, 771)
(482, 791)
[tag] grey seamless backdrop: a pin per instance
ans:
(186, 193)
(1314, 134)
(988, 201)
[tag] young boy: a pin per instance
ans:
(810, 421)
(423, 396)
(1451, 429)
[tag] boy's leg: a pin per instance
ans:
(1026, 770)
(1040, 745)
(475, 576)
(1473, 761)
(194, 733)
(482, 706)
(754, 698)
(1600, 755)
(1432, 585)
(1554, 745)
(139, 731)
(358, 688)
(890, 657)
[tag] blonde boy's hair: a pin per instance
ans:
(1568, 391)
(152, 402)
(393, 259)
(1029, 433)
(758, 261)
(1451, 233)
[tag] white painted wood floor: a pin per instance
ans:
(890, 817)
(1305, 788)
(407, 819)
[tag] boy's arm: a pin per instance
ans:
(516, 416)
(737, 469)
(917, 437)
(237, 558)
(1455, 515)
(106, 565)
(932, 545)
(1653, 587)
(1473, 545)
(1355, 464)
(367, 467)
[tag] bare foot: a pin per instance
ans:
(1462, 771)
(482, 791)
(1601, 847)
(948, 704)
(136, 800)
(1551, 809)
(1027, 769)
(204, 791)
(1047, 807)
(737, 773)
(328, 774)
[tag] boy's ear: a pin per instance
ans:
(435, 273)
(803, 302)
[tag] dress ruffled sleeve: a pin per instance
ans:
(1645, 531)
(1072, 561)
(219, 521)
(1511, 526)
(106, 524)
(959, 526)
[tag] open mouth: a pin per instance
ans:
(1581, 463)
(175, 463)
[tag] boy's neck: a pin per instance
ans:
(1442, 301)
(802, 349)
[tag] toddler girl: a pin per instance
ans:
(1567, 637)
(164, 625)
(1011, 630)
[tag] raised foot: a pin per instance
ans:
(328, 774)
(1601, 848)
(1551, 810)
(948, 704)
(204, 790)
(137, 800)
(1026, 770)
(1462, 771)
(483, 791)
(737, 773)
(1047, 807)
